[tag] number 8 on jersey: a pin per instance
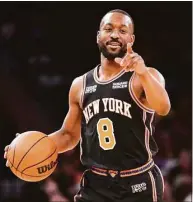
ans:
(106, 135)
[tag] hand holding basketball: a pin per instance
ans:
(5, 153)
(31, 156)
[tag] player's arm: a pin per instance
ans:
(149, 80)
(156, 96)
(68, 136)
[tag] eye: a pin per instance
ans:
(108, 29)
(123, 31)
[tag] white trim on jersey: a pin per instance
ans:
(154, 191)
(95, 76)
(147, 136)
(161, 177)
(83, 91)
(151, 132)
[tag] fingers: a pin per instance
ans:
(7, 163)
(123, 61)
(6, 148)
(130, 60)
(132, 64)
(134, 61)
(118, 60)
(129, 48)
(5, 155)
(127, 59)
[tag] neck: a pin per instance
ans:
(109, 67)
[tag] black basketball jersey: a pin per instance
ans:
(116, 130)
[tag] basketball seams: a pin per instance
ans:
(35, 175)
(39, 162)
(12, 165)
(27, 174)
(29, 150)
(28, 159)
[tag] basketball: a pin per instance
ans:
(32, 156)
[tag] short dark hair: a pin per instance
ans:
(122, 12)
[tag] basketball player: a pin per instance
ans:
(111, 109)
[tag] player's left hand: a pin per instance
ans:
(132, 61)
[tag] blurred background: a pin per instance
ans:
(45, 45)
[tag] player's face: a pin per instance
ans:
(115, 32)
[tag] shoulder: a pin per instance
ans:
(77, 84)
(76, 89)
(77, 81)
(81, 79)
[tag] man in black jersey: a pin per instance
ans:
(111, 109)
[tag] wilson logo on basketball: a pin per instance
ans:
(46, 168)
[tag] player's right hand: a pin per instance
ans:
(5, 155)
(6, 150)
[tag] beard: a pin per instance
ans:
(110, 55)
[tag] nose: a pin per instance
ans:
(115, 34)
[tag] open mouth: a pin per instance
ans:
(114, 44)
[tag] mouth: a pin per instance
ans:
(114, 44)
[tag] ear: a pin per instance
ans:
(132, 39)
(98, 36)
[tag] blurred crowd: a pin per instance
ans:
(35, 76)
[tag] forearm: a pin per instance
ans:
(156, 94)
(64, 140)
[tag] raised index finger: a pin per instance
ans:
(129, 48)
